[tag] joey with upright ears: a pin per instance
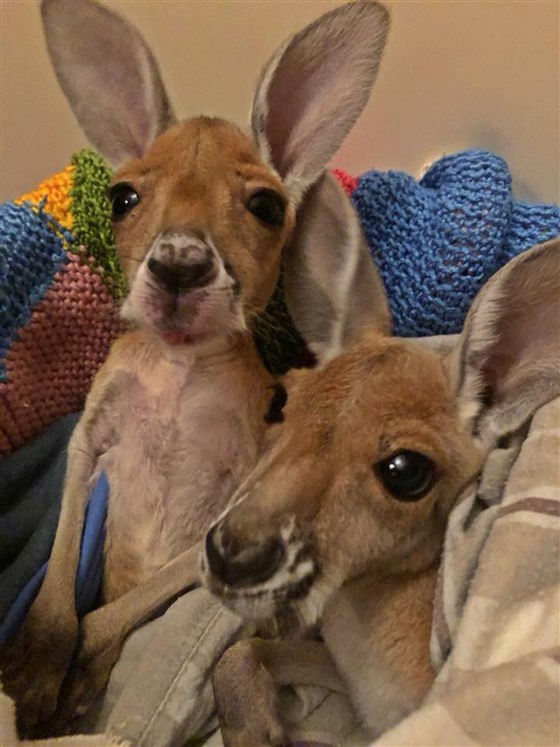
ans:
(203, 215)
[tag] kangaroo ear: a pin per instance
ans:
(109, 76)
(314, 88)
(507, 361)
(331, 285)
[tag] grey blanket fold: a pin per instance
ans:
(160, 692)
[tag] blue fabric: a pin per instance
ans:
(436, 241)
(90, 567)
(30, 255)
(31, 482)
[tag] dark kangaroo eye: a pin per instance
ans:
(407, 475)
(123, 198)
(268, 206)
(274, 413)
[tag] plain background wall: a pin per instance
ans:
(457, 74)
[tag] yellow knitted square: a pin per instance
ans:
(57, 191)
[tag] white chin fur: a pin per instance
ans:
(308, 609)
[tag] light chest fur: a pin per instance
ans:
(186, 431)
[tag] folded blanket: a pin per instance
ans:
(437, 241)
(60, 281)
(31, 483)
(160, 691)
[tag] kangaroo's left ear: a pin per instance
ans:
(507, 360)
(332, 287)
(313, 89)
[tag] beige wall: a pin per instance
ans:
(457, 74)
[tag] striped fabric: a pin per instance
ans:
(496, 631)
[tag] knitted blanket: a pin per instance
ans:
(60, 282)
(435, 242)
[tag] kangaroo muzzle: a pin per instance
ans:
(241, 566)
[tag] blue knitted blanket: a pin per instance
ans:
(437, 241)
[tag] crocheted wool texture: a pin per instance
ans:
(349, 183)
(437, 241)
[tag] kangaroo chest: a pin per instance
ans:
(185, 439)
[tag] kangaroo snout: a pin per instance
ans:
(240, 565)
(256, 573)
(181, 261)
(181, 277)
(185, 289)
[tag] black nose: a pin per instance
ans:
(243, 566)
(179, 278)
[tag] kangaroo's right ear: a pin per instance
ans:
(109, 76)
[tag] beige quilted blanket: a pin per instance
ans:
(496, 629)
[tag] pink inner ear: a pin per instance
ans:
(303, 97)
(109, 76)
(318, 86)
(284, 107)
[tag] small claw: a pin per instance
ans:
(33, 713)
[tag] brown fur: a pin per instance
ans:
(199, 192)
(376, 557)
(199, 173)
(142, 357)
(326, 449)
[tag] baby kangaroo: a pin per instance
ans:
(342, 521)
(204, 216)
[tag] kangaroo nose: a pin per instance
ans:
(247, 567)
(180, 277)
